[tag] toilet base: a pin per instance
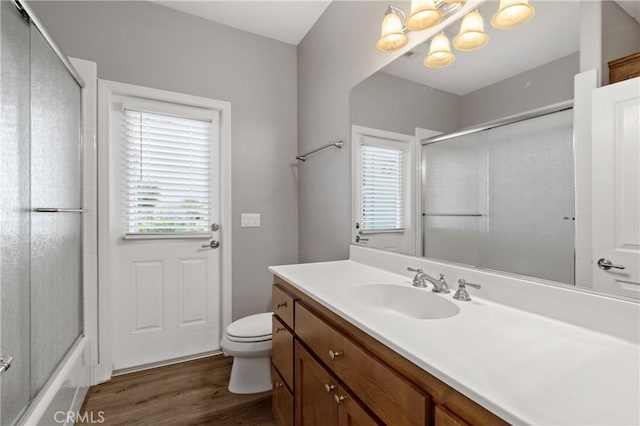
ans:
(250, 375)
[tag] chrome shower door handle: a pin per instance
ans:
(5, 363)
(58, 210)
(213, 244)
(605, 264)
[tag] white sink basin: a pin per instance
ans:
(408, 302)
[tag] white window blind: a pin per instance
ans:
(382, 188)
(167, 173)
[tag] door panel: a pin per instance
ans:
(402, 240)
(315, 403)
(166, 291)
(350, 413)
(616, 187)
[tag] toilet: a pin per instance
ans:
(248, 340)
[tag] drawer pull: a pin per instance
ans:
(334, 355)
(338, 398)
(279, 329)
(281, 305)
(329, 388)
(277, 385)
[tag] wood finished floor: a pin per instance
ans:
(188, 393)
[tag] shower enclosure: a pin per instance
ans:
(503, 198)
(40, 209)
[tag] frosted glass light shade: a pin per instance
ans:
(512, 13)
(471, 35)
(424, 14)
(439, 52)
(392, 37)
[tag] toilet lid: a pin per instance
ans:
(253, 326)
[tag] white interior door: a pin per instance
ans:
(383, 176)
(616, 188)
(165, 231)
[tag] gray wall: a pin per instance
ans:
(149, 45)
(620, 35)
(332, 58)
(387, 102)
(544, 85)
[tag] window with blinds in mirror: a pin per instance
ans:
(167, 171)
(382, 188)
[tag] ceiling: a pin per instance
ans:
(286, 21)
(553, 32)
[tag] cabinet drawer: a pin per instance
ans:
(444, 417)
(386, 393)
(282, 352)
(282, 402)
(283, 305)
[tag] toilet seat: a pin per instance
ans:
(254, 328)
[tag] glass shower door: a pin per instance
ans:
(56, 182)
(14, 212)
(40, 251)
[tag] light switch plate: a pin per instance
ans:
(250, 219)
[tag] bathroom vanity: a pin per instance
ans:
(355, 343)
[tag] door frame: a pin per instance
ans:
(106, 90)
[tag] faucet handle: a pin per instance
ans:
(463, 282)
(461, 293)
(418, 270)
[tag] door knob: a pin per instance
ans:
(605, 264)
(213, 244)
(329, 388)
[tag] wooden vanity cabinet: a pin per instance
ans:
(373, 384)
(321, 400)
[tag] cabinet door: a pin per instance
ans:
(282, 400)
(350, 412)
(444, 417)
(315, 391)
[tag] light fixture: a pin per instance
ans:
(424, 14)
(454, 1)
(471, 35)
(392, 35)
(439, 52)
(512, 13)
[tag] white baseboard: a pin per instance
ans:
(61, 398)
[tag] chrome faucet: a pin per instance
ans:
(439, 285)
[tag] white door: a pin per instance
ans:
(616, 188)
(165, 230)
(383, 176)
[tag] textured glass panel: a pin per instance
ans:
(56, 237)
(14, 210)
(455, 199)
(531, 179)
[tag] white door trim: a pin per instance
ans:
(106, 90)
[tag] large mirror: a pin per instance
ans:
(474, 163)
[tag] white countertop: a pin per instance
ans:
(525, 368)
